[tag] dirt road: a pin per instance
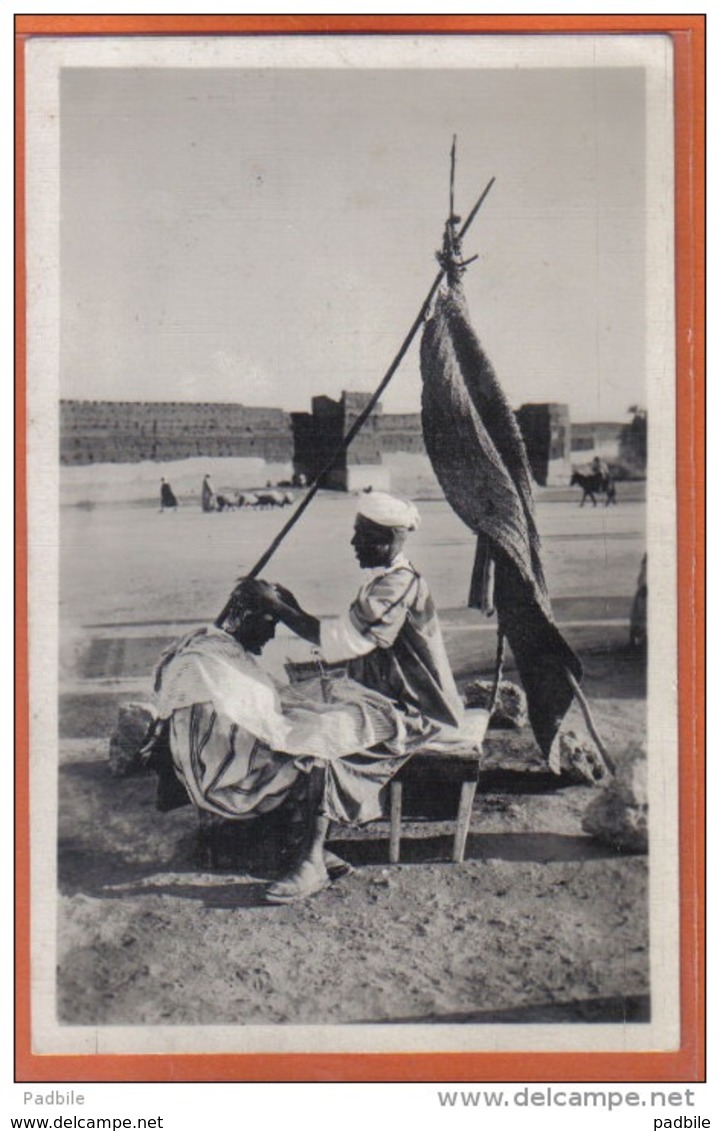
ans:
(540, 923)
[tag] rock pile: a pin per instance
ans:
(130, 735)
(618, 816)
(510, 711)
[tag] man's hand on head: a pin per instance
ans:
(276, 598)
(268, 596)
(286, 596)
(281, 603)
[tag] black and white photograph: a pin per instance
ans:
(351, 504)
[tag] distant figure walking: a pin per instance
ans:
(168, 502)
(207, 495)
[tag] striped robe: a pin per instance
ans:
(240, 740)
(392, 641)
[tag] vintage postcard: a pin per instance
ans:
(351, 444)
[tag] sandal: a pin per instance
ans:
(297, 887)
(337, 867)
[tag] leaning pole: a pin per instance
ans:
(358, 423)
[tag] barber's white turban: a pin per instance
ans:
(389, 510)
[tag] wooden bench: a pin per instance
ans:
(459, 767)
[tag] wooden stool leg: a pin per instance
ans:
(395, 820)
(462, 822)
(208, 840)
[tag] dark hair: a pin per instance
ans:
(247, 594)
(246, 597)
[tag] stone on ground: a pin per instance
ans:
(510, 708)
(128, 738)
(618, 816)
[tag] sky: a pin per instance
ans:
(265, 235)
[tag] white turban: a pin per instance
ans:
(389, 510)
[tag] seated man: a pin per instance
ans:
(391, 635)
(599, 467)
(239, 741)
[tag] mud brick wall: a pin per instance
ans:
(131, 431)
(365, 448)
(400, 432)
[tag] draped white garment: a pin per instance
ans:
(239, 739)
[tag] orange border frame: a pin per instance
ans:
(688, 1062)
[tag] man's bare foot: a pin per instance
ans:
(307, 879)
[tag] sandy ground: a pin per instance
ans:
(540, 922)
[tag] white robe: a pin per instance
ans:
(239, 739)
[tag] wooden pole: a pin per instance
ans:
(358, 423)
(499, 660)
(590, 722)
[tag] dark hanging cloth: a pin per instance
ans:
(479, 458)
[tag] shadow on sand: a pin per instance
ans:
(139, 851)
(633, 1009)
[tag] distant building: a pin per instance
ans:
(319, 434)
(633, 443)
(160, 431)
(602, 438)
(545, 429)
